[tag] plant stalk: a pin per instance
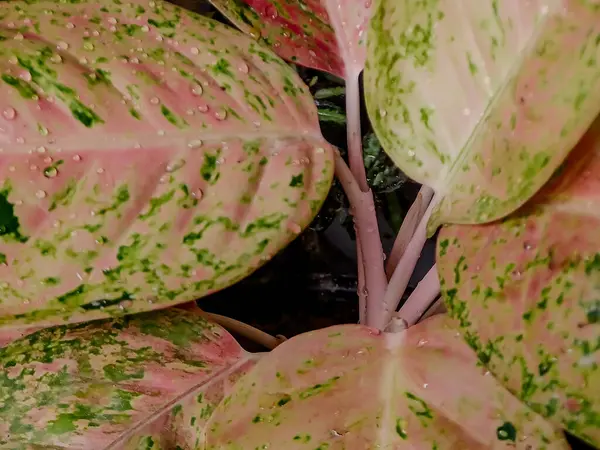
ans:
(370, 252)
(421, 298)
(401, 276)
(408, 227)
(371, 272)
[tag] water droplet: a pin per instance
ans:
(197, 89)
(243, 67)
(527, 246)
(88, 46)
(425, 385)
(271, 11)
(9, 113)
(221, 114)
(70, 25)
(294, 228)
(203, 108)
(62, 45)
(312, 53)
(76, 158)
(19, 37)
(99, 170)
(154, 100)
(125, 304)
(50, 172)
(40, 194)
(194, 50)
(422, 342)
(466, 112)
(382, 112)
(175, 165)
(195, 143)
(197, 194)
(41, 149)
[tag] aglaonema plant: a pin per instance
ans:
(460, 98)
(150, 156)
(94, 93)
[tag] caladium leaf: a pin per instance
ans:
(148, 381)
(482, 100)
(323, 34)
(150, 156)
(354, 388)
(525, 292)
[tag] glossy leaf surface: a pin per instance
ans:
(328, 35)
(525, 292)
(150, 156)
(147, 382)
(348, 387)
(482, 100)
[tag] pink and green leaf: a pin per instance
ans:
(352, 387)
(525, 292)
(149, 381)
(150, 156)
(482, 100)
(328, 35)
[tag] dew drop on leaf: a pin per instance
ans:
(9, 113)
(175, 165)
(221, 114)
(197, 89)
(197, 194)
(40, 194)
(50, 172)
(294, 228)
(196, 143)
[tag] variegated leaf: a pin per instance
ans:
(148, 382)
(150, 156)
(482, 99)
(350, 387)
(328, 35)
(526, 290)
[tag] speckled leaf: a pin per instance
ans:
(148, 382)
(323, 34)
(482, 99)
(526, 293)
(349, 387)
(150, 156)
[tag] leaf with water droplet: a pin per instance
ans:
(536, 331)
(481, 100)
(171, 149)
(376, 390)
(323, 34)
